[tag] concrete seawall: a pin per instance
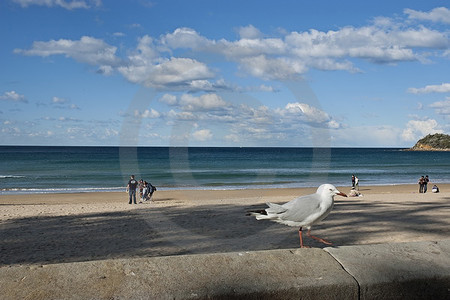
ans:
(418, 270)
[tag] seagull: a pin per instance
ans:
(303, 211)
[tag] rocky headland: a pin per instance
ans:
(433, 142)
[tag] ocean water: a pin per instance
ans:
(29, 169)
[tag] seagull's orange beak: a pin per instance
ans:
(341, 194)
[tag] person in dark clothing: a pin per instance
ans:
(425, 184)
(131, 188)
(151, 190)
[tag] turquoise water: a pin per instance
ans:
(85, 169)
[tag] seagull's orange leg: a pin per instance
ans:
(317, 238)
(301, 238)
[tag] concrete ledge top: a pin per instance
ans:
(419, 270)
(365, 272)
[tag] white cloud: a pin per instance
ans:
(156, 62)
(62, 103)
(172, 73)
(233, 138)
(266, 88)
(13, 96)
(186, 38)
(209, 86)
(202, 135)
(442, 107)
(246, 124)
(108, 132)
(438, 14)
(443, 88)
(14, 131)
(297, 52)
(281, 68)
(333, 124)
(145, 50)
(374, 43)
(86, 50)
(206, 102)
(254, 116)
(249, 32)
(184, 116)
(187, 102)
(68, 119)
(67, 4)
(309, 114)
(170, 100)
(58, 100)
(421, 37)
(416, 129)
(143, 66)
(147, 113)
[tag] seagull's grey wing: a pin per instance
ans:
(301, 208)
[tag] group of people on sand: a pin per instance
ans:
(355, 187)
(146, 190)
(423, 185)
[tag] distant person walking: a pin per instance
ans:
(425, 183)
(353, 181)
(357, 183)
(131, 188)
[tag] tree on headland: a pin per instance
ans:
(438, 141)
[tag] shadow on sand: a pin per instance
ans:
(157, 231)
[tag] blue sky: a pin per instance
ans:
(223, 73)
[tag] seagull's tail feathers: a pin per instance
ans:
(275, 208)
(259, 214)
(270, 213)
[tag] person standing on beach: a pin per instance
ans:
(357, 183)
(425, 183)
(421, 184)
(144, 192)
(131, 188)
(141, 189)
(353, 181)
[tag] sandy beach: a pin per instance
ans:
(54, 228)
